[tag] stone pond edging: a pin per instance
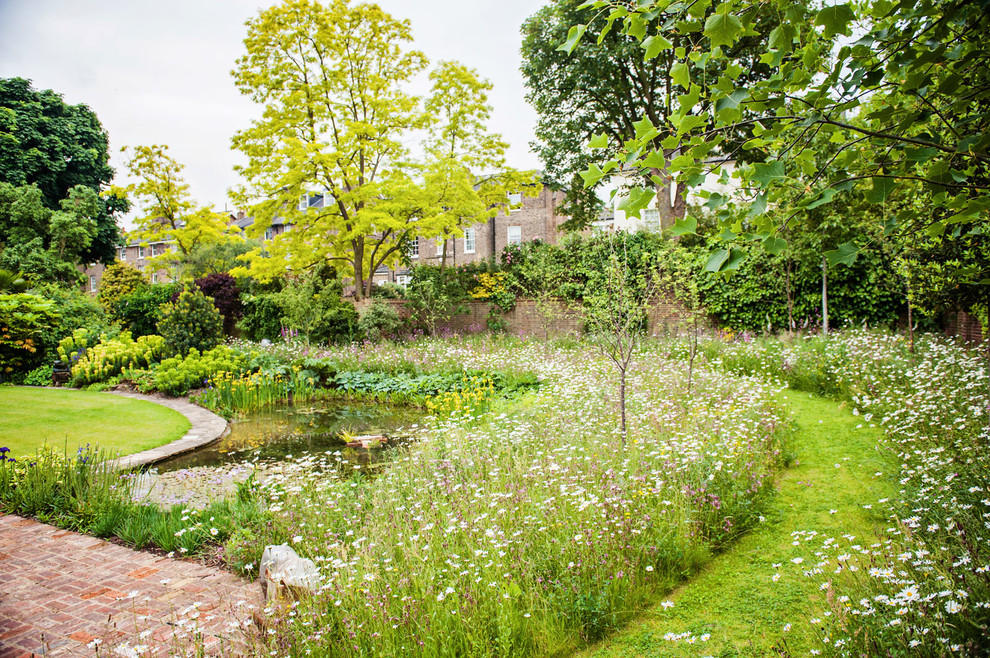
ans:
(206, 428)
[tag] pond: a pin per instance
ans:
(274, 434)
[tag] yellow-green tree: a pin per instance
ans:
(169, 213)
(334, 124)
(465, 165)
(329, 79)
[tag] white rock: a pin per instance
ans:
(283, 569)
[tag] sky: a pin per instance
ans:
(159, 72)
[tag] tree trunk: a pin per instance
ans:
(622, 405)
(910, 319)
(824, 296)
(790, 295)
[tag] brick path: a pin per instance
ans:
(60, 591)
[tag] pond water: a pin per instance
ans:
(273, 434)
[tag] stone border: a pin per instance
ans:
(206, 428)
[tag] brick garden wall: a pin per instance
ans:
(525, 319)
(963, 325)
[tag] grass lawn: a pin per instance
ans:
(734, 599)
(31, 417)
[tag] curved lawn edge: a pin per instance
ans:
(206, 428)
(734, 600)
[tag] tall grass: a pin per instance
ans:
(524, 527)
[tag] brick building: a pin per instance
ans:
(135, 253)
(528, 218)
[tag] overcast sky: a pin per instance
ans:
(159, 72)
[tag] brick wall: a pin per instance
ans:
(963, 325)
(525, 318)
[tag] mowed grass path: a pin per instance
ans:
(734, 598)
(63, 418)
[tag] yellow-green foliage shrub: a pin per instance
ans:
(112, 356)
(177, 375)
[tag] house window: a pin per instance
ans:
(92, 283)
(122, 252)
(154, 277)
(403, 279)
(414, 248)
(469, 241)
(515, 201)
(269, 233)
(650, 219)
(440, 245)
(515, 235)
(140, 252)
(309, 200)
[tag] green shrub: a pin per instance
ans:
(140, 311)
(315, 309)
(40, 376)
(262, 317)
(112, 356)
(380, 321)
(119, 280)
(24, 319)
(177, 375)
(191, 322)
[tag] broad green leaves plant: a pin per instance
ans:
(900, 88)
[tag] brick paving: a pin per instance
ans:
(61, 591)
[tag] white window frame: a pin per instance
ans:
(515, 201)
(440, 244)
(123, 253)
(650, 219)
(509, 235)
(92, 283)
(154, 277)
(403, 280)
(269, 233)
(414, 248)
(469, 240)
(140, 251)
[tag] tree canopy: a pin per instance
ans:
(56, 147)
(900, 88)
(329, 153)
(46, 245)
(595, 96)
(169, 212)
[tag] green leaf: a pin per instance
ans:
(573, 37)
(782, 37)
(835, 20)
(759, 205)
(764, 172)
(654, 160)
(716, 260)
(882, 188)
(598, 142)
(645, 129)
(680, 74)
(685, 226)
(654, 45)
(592, 175)
(736, 258)
(722, 29)
(775, 245)
(844, 255)
(636, 200)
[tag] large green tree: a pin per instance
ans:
(600, 92)
(900, 88)
(46, 245)
(56, 146)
